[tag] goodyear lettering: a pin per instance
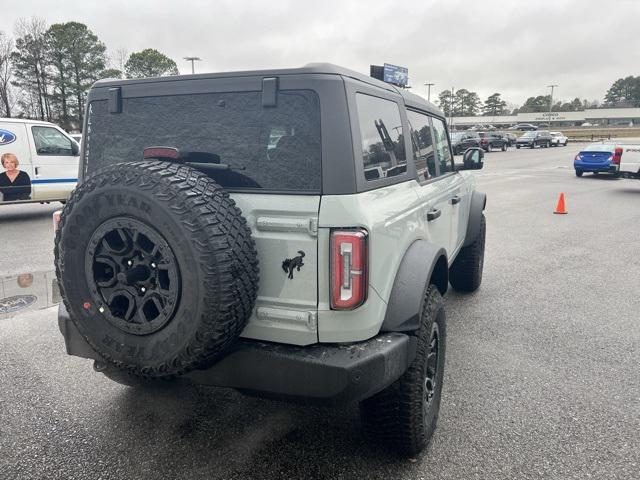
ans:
(127, 201)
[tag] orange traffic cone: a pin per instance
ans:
(560, 207)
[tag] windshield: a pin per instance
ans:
(529, 134)
(456, 135)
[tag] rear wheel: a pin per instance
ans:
(404, 415)
(579, 173)
(504, 147)
(517, 147)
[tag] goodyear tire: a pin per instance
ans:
(405, 414)
(156, 267)
(465, 274)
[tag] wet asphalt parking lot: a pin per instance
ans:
(542, 374)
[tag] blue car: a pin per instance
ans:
(597, 158)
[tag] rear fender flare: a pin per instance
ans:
(476, 207)
(422, 265)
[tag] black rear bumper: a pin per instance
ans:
(320, 373)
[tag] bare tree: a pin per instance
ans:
(30, 62)
(6, 47)
(119, 58)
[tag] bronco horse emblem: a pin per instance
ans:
(293, 263)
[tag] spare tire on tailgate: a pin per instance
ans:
(156, 267)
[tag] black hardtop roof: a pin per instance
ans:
(411, 100)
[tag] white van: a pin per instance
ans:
(46, 153)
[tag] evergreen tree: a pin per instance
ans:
(625, 92)
(494, 105)
(445, 102)
(149, 63)
(79, 57)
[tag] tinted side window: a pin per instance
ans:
(50, 141)
(445, 159)
(382, 137)
(422, 142)
(276, 148)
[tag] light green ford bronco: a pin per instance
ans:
(287, 233)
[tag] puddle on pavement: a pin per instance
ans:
(28, 291)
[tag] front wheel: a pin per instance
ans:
(504, 147)
(517, 147)
(465, 274)
(565, 143)
(404, 415)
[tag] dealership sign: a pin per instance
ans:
(550, 116)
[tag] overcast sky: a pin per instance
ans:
(513, 47)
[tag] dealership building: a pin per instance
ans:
(602, 117)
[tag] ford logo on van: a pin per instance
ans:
(6, 137)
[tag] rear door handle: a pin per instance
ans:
(455, 200)
(433, 214)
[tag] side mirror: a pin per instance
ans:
(472, 159)
(75, 149)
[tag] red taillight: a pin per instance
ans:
(578, 157)
(617, 155)
(349, 265)
(160, 152)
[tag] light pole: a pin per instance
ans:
(429, 85)
(192, 60)
(551, 102)
(451, 110)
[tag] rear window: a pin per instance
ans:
(600, 147)
(383, 151)
(269, 148)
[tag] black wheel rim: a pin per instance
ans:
(133, 276)
(431, 386)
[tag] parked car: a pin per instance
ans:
(199, 263)
(491, 140)
(461, 141)
(598, 158)
(532, 139)
(523, 127)
(558, 138)
(44, 157)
